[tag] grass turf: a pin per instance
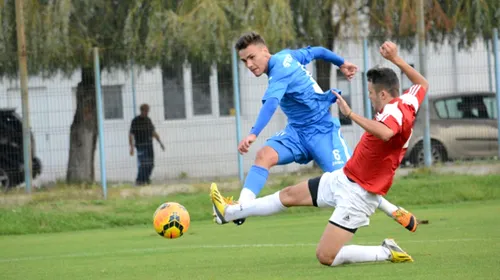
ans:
(74, 208)
(461, 241)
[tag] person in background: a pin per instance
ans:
(141, 136)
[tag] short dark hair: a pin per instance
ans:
(384, 78)
(247, 39)
(144, 107)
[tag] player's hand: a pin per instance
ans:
(389, 50)
(162, 147)
(245, 143)
(343, 106)
(335, 97)
(131, 150)
(349, 70)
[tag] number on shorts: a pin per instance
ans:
(336, 154)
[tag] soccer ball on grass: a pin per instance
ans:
(171, 220)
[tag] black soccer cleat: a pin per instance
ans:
(239, 222)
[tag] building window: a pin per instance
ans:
(112, 102)
(491, 107)
(200, 76)
(173, 92)
(226, 93)
(344, 85)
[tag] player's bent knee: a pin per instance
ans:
(325, 257)
(287, 197)
(266, 157)
(297, 195)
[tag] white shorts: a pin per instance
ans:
(353, 204)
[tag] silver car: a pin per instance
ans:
(462, 126)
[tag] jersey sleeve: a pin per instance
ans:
(413, 97)
(280, 76)
(265, 114)
(303, 56)
(392, 117)
(308, 54)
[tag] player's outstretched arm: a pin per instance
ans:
(347, 68)
(373, 127)
(306, 55)
(265, 114)
(326, 55)
(389, 51)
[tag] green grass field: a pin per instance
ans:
(462, 241)
(72, 208)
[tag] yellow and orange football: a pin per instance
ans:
(171, 220)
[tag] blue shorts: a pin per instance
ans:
(322, 143)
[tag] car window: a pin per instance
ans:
(441, 109)
(466, 107)
(452, 106)
(491, 108)
(473, 107)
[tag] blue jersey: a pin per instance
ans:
(301, 98)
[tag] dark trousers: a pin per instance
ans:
(145, 164)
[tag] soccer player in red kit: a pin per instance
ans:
(355, 190)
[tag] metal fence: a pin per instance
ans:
(192, 106)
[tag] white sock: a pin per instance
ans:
(357, 254)
(263, 206)
(387, 207)
(246, 195)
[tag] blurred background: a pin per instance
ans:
(177, 57)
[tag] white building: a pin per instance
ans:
(191, 107)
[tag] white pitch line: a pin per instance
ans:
(270, 245)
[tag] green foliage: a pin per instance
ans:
(60, 34)
(463, 21)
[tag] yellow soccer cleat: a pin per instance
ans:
(406, 219)
(219, 204)
(230, 201)
(397, 254)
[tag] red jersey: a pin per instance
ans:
(374, 162)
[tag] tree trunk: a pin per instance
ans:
(83, 134)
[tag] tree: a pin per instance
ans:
(322, 22)
(60, 37)
(462, 21)
(202, 29)
(85, 32)
(61, 34)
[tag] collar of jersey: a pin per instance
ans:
(270, 64)
(390, 102)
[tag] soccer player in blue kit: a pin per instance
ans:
(312, 133)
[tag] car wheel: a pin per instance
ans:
(438, 153)
(4, 180)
